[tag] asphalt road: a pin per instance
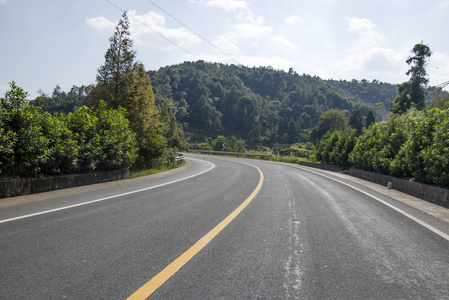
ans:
(306, 234)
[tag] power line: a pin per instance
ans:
(194, 32)
(158, 33)
(441, 86)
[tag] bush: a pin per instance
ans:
(379, 145)
(104, 138)
(335, 147)
(424, 156)
(62, 147)
(24, 146)
(33, 142)
(413, 145)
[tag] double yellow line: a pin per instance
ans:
(148, 288)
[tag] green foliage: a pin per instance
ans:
(235, 145)
(331, 120)
(63, 102)
(370, 118)
(356, 121)
(335, 147)
(294, 152)
(34, 142)
(424, 156)
(231, 145)
(439, 99)
(413, 145)
(203, 146)
(436, 156)
(378, 146)
(122, 82)
(22, 137)
(263, 106)
(62, 148)
(218, 143)
(412, 93)
(374, 92)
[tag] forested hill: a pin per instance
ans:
(258, 104)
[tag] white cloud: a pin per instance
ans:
(283, 44)
(241, 32)
(441, 5)
(250, 30)
(293, 20)
(100, 23)
(367, 58)
(240, 8)
(368, 36)
(3, 1)
(360, 25)
(314, 26)
(144, 28)
(228, 5)
(226, 45)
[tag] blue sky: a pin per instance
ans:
(61, 42)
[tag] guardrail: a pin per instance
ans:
(229, 153)
(177, 159)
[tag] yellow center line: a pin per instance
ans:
(148, 288)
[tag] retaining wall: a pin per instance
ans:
(423, 191)
(25, 186)
(333, 168)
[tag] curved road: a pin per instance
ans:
(224, 228)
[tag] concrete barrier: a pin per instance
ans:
(333, 168)
(423, 191)
(25, 186)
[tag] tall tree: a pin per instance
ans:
(370, 118)
(114, 76)
(122, 82)
(412, 92)
(356, 121)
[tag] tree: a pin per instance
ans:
(122, 82)
(412, 93)
(331, 120)
(440, 99)
(370, 118)
(22, 142)
(356, 121)
(113, 78)
(282, 128)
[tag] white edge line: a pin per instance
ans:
(430, 227)
(103, 199)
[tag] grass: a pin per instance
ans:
(140, 173)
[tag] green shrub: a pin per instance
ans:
(33, 142)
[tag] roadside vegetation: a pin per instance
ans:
(120, 128)
(413, 143)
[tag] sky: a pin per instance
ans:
(61, 42)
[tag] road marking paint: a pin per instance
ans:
(422, 223)
(148, 288)
(103, 199)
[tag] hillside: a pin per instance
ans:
(257, 104)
